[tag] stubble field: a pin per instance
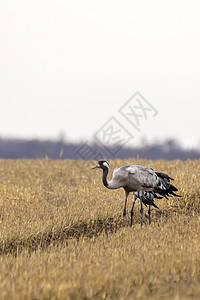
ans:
(61, 234)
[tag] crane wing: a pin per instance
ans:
(136, 177)
(140, 178)
(145, 176)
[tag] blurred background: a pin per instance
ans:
(67, 68)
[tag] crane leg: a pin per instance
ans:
(134, 199)
(124, 212)
(149, 213)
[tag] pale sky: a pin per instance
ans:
(69, 66)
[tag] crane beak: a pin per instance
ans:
(96, 166)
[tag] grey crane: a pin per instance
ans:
(144, 182)
(147, 199)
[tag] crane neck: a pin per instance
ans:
(104, 178)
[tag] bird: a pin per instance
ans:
(147, 199)
(144, 182)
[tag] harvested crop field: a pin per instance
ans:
(61, 234)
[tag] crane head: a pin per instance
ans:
(102, 164)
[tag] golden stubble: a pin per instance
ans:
(61, 234)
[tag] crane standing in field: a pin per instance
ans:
(142, 181)
(147, 199)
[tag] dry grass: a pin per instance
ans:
(61, 235)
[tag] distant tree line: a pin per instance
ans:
(33, 149)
